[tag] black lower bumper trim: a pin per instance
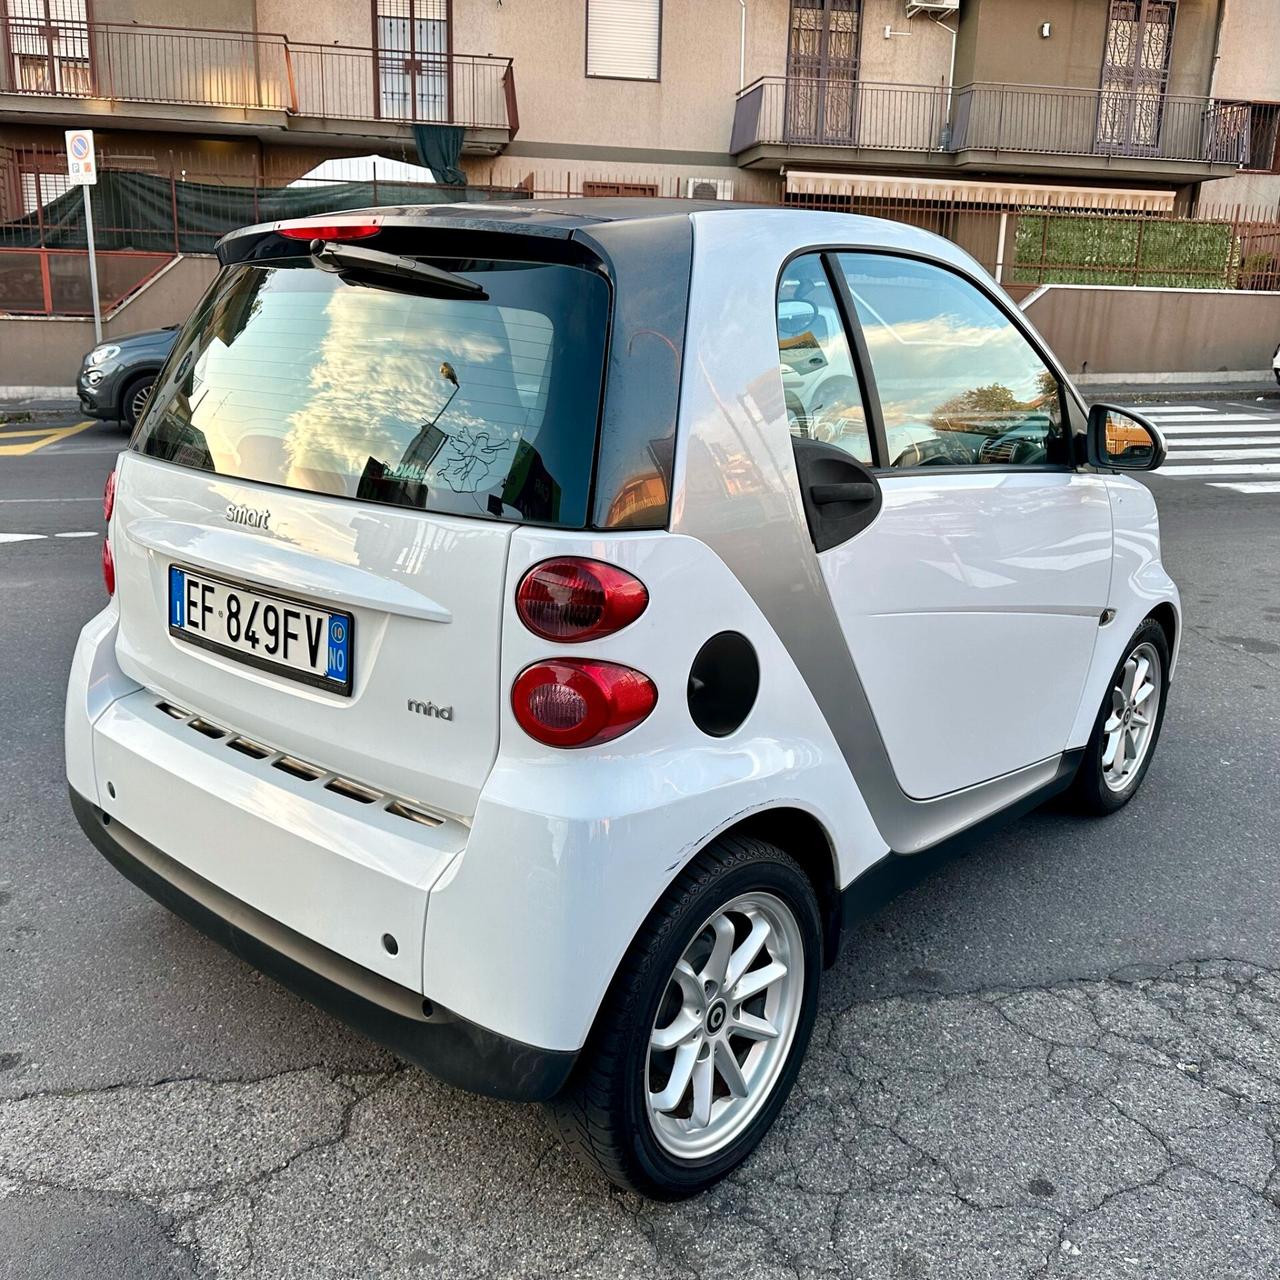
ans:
(449, 1047)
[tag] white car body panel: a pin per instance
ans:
(425, 592)
(571, 849)
(959, 578)
(1139, 584)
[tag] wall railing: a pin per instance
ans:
(828, 112)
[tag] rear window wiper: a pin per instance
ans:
(348, 261)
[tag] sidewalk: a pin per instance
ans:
(1180, 392)
(20, 409)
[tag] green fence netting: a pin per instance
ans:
(158, 214)
(1110, 249)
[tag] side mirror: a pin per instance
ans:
(1122, 440)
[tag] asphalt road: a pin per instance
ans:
(1054, 1055)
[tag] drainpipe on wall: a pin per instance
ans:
(945, 141)
(1213, 82)
(742, 46)
(1217, 48)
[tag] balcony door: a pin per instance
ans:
(47, 43)
(413, 59)
(822, 71)
(1135, 76)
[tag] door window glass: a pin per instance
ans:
(959, 384)
(818, 382)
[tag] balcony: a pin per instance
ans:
(148, 76)
(988, 127)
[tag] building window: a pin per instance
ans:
(1135, 73)
(1264, 137)
(624, 39)
(413, 59)
(48, 46)
(822, 70)
(39, 189)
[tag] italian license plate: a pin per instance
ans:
(267, 631)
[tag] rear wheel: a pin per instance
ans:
(1128, 725)
(704, 1029)
(134, 399)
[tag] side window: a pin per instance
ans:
(823, 399)
(958, 383)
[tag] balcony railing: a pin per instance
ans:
(169, 66)
(800, 111)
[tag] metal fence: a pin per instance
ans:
(55, 282)
(1047, 120)
(187, 207)
(256, 71)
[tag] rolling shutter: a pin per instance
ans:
(624, 38)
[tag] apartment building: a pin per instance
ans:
(751, 99)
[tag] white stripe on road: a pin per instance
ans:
(36, 537)
(1216, 428)
(1174, 408)
(1220, 455)
(1221, 469)
(1248, 486)
(1215, 442)
(1234, 421)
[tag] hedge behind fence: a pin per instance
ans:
(1108, 249)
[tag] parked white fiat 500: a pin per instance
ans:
(529, 622)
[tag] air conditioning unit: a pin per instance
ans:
(708, 188)
(932, 6)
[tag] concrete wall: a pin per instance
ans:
(1000, 42)
(1098, 330)
(47, 353)
(690, 109)
(918, 53)
(1249, 52)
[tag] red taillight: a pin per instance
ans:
(354, 231)
(570, 599)
(576, 703)
(108, 568)
(109, 498)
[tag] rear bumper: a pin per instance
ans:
(449, 1047)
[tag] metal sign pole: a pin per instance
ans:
(93, 266)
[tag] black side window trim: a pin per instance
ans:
(866, 376)
(861, 361)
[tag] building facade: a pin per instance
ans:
(662, 96)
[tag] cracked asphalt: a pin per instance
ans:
(1054, 1054)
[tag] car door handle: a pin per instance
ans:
(848, 491)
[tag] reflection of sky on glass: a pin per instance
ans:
(314, 386)
(931, 337)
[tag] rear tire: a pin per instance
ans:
(134, 399)
(741, 918)
(1127, 729)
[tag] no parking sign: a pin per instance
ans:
(82, 165)
(82, 169)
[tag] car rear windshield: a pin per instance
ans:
(475, 406)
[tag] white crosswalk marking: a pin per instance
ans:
(1225, 445)
(1247, 486)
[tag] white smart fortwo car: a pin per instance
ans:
(529, 622)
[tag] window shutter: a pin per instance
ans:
(623, 38)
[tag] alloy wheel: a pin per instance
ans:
(725, 1025)
(138, 401)
(1130, 727)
